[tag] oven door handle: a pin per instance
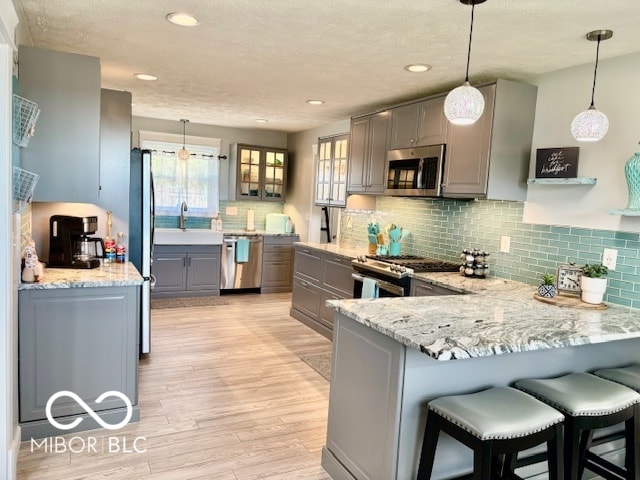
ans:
(382, 285)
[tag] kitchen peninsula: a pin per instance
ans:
(78, 330)
(392, 355)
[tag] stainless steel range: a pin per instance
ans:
(393, 274)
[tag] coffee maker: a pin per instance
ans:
(70, 245)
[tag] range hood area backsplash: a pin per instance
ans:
(443, 228)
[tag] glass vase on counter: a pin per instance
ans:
(475, 263)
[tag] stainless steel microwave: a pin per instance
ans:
(415, 172)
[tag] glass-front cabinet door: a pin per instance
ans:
(249, 172)
(331, 170)
(274, 174)
(261, 173)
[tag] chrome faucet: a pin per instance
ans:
(183, 219)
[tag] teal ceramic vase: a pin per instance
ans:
(394, 249)
(632, 174)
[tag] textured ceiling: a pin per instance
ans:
(252, 59)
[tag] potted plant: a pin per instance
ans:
(593, 283)
(547, 289)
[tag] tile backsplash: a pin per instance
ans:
(442, 228)
(229, 222)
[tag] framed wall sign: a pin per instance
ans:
(557, 162)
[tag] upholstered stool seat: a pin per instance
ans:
(496, 424)
(589, 403)
(628, 376)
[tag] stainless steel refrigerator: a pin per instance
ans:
(141, 219)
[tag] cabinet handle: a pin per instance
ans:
(337, 260)
(184, 262)
(304, 284)
(305, 250)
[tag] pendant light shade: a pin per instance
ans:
(183, 153)
(592, 125)
(464, 105)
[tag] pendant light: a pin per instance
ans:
(464, 105)
(592, 125)
(183, 153)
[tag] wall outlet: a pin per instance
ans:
(349, 222)
(231, 211)
(505, 244)
(609, 258)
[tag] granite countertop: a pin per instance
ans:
(496, 316)
(255, 233)
(334, 248)
(111, 275)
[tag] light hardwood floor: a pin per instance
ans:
(223, 396)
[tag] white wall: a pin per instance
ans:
(561, 96)
(9, 429)
(301, 180)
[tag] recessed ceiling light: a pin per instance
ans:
(145, 76)
(262, 120)
(315, 102)
(182, 19)
(417, 67)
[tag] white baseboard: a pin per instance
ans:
(12, 455)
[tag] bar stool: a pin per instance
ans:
(628, 376)
(496, 424)
(590, 403)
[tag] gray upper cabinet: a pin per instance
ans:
(367, 153)
(261, 173)
(418, 124)
(432, 124)
(404, 126)
(490, 159)
(65, 150)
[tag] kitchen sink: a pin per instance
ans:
(189, 236)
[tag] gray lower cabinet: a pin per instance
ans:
(83, 340)
(319, 276)
(186, 270)
(277, 263)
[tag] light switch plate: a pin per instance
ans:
(505, 244)
(231, 210)
(610, 258)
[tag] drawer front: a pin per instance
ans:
(274, 257)
(426, 289)
(276, 274)
(308, 263)
(337, 272)
(283, 240)
(306, 297)
(327, 313)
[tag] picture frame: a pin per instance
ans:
(561, 162)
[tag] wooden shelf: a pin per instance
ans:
(563, 181)
(625, 212)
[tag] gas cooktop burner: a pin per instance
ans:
(418, 264)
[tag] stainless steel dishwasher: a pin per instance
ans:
(241, 262)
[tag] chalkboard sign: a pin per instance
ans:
(557, 162)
